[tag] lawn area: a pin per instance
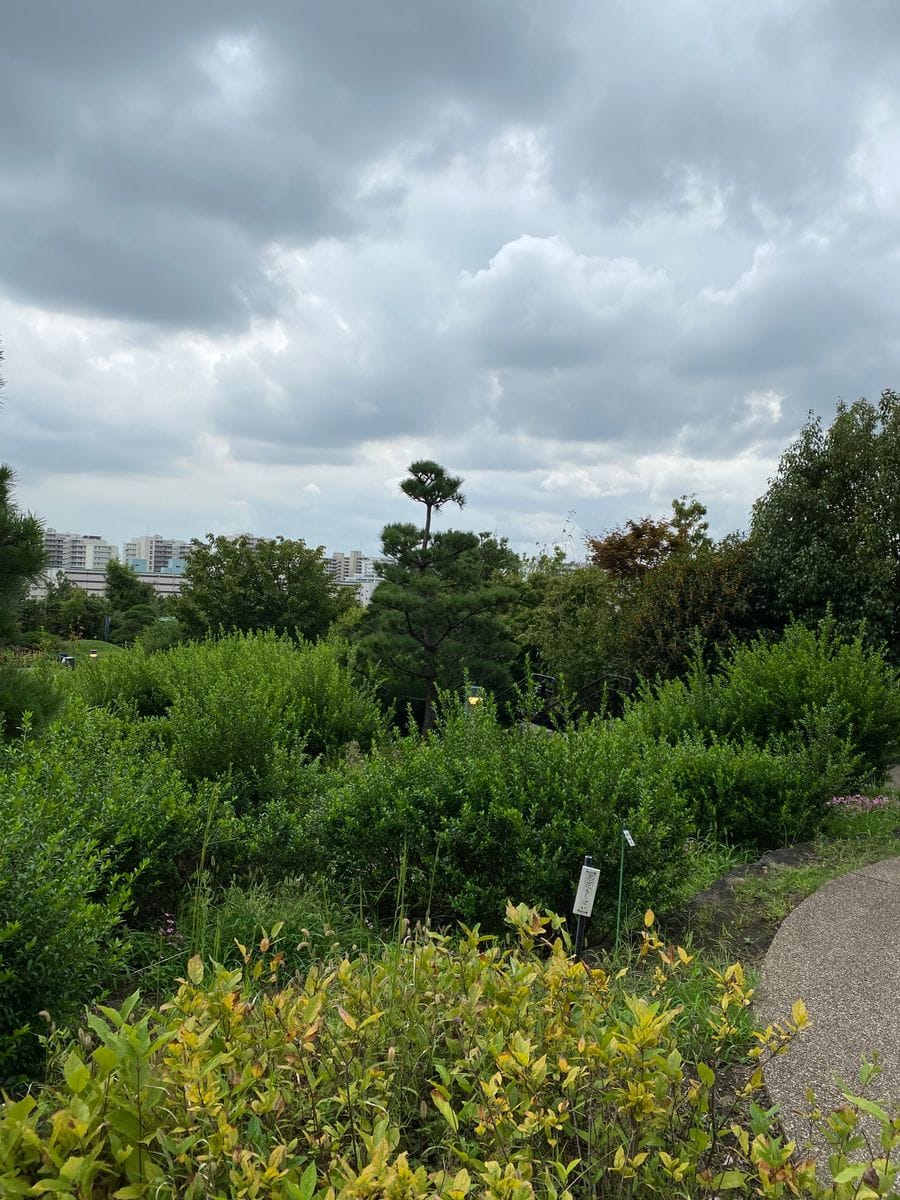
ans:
(81, 647)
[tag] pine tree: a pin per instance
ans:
(434, 616)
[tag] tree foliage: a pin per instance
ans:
(124, 590)
(652, 592)
(629, 551)
(826, 535)
(21, 553)
(570, 623)
(21, 560)
(698, 598)
(63, 610)
(434, 616)
(279, 584)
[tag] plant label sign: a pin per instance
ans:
(587, 890)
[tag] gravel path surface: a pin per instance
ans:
(839, 951)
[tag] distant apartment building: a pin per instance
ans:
(342, 567)
(94, 582)
(77, 551)
(156, 555)
(356, 570)
(253, 542)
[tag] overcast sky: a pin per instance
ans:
(254, 260)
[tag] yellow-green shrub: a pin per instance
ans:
(440, 1069)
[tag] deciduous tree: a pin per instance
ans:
(653, 591)
(125, 590)
(21, 560)
(826, 534)
(279, 584)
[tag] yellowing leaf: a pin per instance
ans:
(799, 1014)
(706, 1074)
(195, 969)
(649, 918)
(444, 1109)
(76, 1073)
(346, 1018)
(728, 1180)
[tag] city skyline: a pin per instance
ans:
(52, 535)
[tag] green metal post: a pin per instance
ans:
(621, 880)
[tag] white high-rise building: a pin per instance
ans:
(154, 552)
(77, 551)
(342, 566)
(356, 570)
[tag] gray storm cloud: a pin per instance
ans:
(252, 261)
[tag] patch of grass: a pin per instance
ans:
(313, 926)
(738, 916)
(706, 861)
(778, 892)
(741, 916)
(81, 647)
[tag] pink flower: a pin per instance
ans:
(858, 803)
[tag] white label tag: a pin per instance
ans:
(587, 890)
(628, 838)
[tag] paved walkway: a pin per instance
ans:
(839, 951)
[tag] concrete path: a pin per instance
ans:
(839, 951)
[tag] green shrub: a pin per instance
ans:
(249, 707)
(61, 903)
(28, 699)
(130, 684)
(807, 686)
(438, 1070)
(749, 795)
(100, 779)
(459, 823)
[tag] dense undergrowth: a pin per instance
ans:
(184, 800)
(174, 784)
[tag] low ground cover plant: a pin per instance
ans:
(863, 816)
(443, 1067)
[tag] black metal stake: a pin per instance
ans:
(581, 923)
